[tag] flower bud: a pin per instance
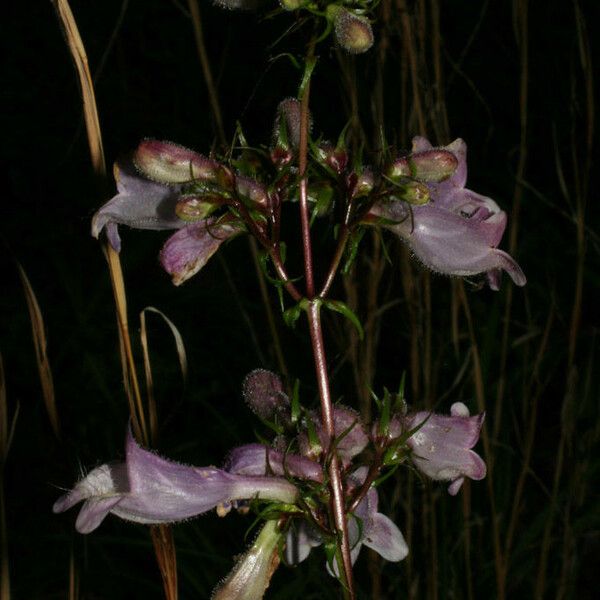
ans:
(352, 32)
(237, 4)
(263, 391)
(292, 4)
(251, 189)
(166, 162)
(431, 166)
(413, 192)
(365, 182)
(334, 158)
(286, 131)
(252, 574)
(196, 208)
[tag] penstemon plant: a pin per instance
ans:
(315, 483)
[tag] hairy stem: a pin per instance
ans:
(335, 477)
(318, 347)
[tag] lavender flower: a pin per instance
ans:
(458, 231)
(140, 203)
(149, 489)
(190, 248)
(178, 189)
(258, 459)
(366, 527)
(442, 445)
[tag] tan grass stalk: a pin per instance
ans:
(4, 444)
(581, 175)
(73, 578)
(194, 7)
(90, 112)
(531, 396)
(130, 377)
(485, 437)
(521, 27)
(7, 431)
(165, 548)
(41, 355)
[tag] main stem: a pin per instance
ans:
(318, 347)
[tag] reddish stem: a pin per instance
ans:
(335, 477)
(316, 335)
(304, 212)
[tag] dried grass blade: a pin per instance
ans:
(40, 345)
(90, 112)
(164, 546)
(130, 378)
(6, 436)
(73, 579)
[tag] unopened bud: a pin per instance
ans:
(292, 4)
(237, 4)
(352, 32)
(413, 192)
(252, 574)
(431, 166)
(286, 132)
(251, 189)
(196, 208)
(263, 391)
(334, 158)
(365, 182)
(281, 157)
(166, 162)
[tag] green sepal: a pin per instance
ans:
(386, 413)
(400, 402)
(313, 438)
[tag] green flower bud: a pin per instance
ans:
(413, 192)
(431, 166)
(292, 4)
(196, 208)
(352, 32)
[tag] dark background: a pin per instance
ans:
(149, 83)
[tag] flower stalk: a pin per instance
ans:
(316, 335)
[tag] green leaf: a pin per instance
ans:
(291, 315)
(352, 248)
(344, 309)
(309, 67)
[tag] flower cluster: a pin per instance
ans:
(421, 197)
(288, 475)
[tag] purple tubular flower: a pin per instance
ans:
(366, 527)
(260, 460)
(458, 231)
(140, 203)
(189, 249)
(442, 445)
(150, 489)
